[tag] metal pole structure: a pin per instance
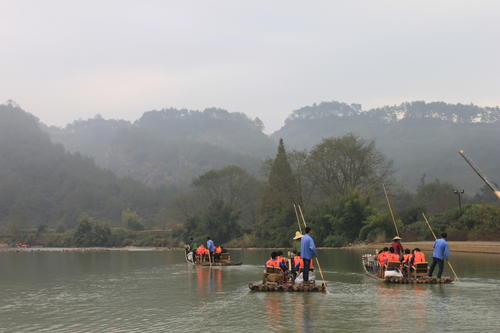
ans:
(390, 210)
(478, 172)
(435, 238)
(459, 194)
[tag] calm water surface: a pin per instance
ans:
(139, 291)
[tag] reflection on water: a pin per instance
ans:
(209, 280)
(159, 292)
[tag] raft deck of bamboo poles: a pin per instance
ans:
(288, 287)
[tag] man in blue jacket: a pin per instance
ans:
(211, 247)
(440, 254)
(308, 251)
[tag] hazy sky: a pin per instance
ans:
(64, 60)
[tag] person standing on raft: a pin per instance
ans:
(308, 252)
(440, 254)
(296, 242)
(397, 246)
(211, 248)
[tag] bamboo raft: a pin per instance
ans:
(371, 268)
(422, 280)
(275, 280)
(225, 260)
(288, 287)
(218, 264)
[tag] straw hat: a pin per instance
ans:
(397, 238)
(298, 235)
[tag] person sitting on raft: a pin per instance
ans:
(273, 262)
(392, 256)
(418, 256)
(218, 251)
(276, 262)
(298, 265)
(407, 261)
(282, 260)
(407, 257)
(201, 253)
(382, 256)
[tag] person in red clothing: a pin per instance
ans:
(397, 246)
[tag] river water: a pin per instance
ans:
(151, 291)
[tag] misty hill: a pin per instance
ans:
(41, 183)
(169, 146)
(421, 138)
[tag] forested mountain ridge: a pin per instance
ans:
(456, 113)
(421, 138)
(41, 183)
(169, 146)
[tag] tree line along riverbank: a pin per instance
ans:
(455, 246)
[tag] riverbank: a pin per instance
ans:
(85, 249)
(455, 246)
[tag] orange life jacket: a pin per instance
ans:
(393, 257)
(382, 256)
(200, 250)
(218, 249)
(418, 257)
(273, 263)
(406, 258)
(297, 260)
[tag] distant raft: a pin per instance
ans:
(395, 275)
(288, 287)
(225, 260)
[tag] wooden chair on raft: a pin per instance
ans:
(420, 269)
(272, 274)
(390, 266)
(393, 265)
(225, 257)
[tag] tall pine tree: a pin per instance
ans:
(277, 221)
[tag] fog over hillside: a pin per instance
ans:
(421, 138)
(41, 183)
(172, 146)
(169, 146)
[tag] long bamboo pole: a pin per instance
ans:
(433, 234)
(480, 174)
(296, 214)
(390, 210)
(317, 260)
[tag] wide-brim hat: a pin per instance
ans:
(298, 235)
(397, 238)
